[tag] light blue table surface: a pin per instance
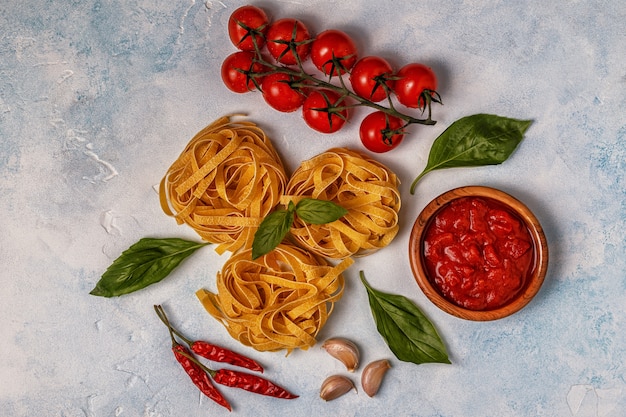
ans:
(97, 99)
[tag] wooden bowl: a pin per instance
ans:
(539, 264)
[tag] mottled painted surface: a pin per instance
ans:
(98, 98)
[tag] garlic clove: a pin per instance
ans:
(344, 350)
(335, 386)
(372, 376)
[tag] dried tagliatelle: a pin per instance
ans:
(363, 186)
(224, 182)
(278, 301)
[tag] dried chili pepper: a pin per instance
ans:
(220, 354)
(198, 376)
(199, 373)
(210, 351)
(196, 372)
(250, 382)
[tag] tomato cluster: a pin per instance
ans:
(325, 102)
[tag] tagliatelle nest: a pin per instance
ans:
(278, 301)
(363, 186)
(228, 178)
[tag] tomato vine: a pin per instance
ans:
(334, 54)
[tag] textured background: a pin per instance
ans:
(98, 98)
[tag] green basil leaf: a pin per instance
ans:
(272, 231)
(481, 139)
(315, 211)
(406, 330)
(146, 262)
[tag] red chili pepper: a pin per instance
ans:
(250, 382)
(210, 351)
(220, 354)
(198, 376)
(196, 372)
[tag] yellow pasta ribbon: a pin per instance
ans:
(363, 186)
(226, 180)
(278, 301)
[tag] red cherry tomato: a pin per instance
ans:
(238, 72)
(381, 132)
(245, 24)
(413, 83)
(333, 43)
(283, 32)
(279, 94)
(369, 76)
(317, 111)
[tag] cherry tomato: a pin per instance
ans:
(368, 77)
(413, 83)
(279, 94)
(245, 24)
(333, 43)
(381, 132)
(318, 113)
(283, 32)
(238, 72)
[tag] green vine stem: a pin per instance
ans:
(305, 80)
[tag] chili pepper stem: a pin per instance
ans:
(163, 317)
(173, 332)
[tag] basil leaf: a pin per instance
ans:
(481, 139)
(272, 231)
(146, 262)
(406, 330)
(315, 211)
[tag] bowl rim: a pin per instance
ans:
(535, 281)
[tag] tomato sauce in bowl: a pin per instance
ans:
(478, 253)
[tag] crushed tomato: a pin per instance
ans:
(478, 253)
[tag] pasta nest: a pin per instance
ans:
(226, 180)
(278, 301)
(363, 186)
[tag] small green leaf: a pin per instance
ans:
(481, 139)
(406, 330)
(146, 262)
(272, 231)
(315, 211)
